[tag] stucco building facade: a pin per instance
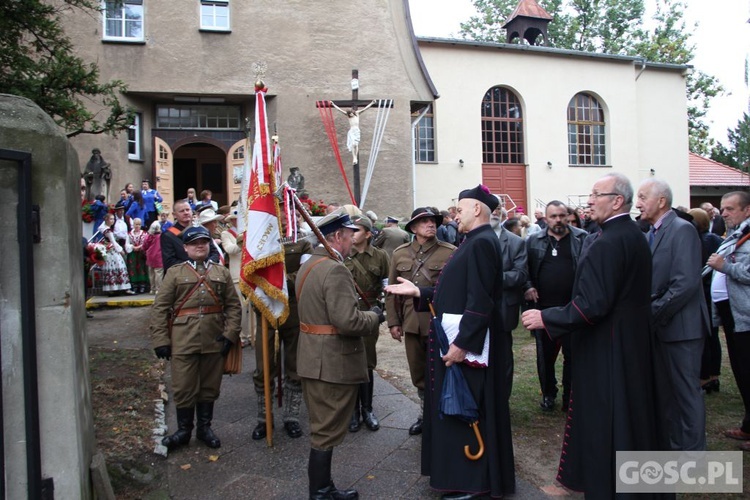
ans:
(188, 67)
(540, 124)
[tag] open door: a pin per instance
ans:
(235, 164)
(163, 164)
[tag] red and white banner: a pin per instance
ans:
(262, 278)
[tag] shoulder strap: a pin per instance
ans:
(304, 277)
(174, 230)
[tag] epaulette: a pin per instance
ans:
(405, 245)
(446, 245)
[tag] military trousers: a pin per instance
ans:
(330, 408)
(289, 338)
(416, 356)
(196, 378)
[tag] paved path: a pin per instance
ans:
(383, 464)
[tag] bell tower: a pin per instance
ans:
(528, 21)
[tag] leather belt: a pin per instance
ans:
(189, 311)
(318, 329)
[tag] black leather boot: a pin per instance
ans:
(371, 421)
(184, 429)
(355, 422)
(205, 413)
(319, 475)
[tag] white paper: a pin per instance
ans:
(450, 325)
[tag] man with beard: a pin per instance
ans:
(419, 262)
(515, 274)
(612, 399)
(469, 293)
(553, 257)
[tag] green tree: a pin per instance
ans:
(615, 27)
(737, 153)
(38, 61)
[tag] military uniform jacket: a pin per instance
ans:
(195, 333)
(420, 264)
(369, 269)
(326, 296)
(391, 238)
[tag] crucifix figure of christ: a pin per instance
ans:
(353, 135)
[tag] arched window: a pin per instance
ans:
(586, 134)
(502, 127)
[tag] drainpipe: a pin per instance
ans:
(26, 225)
(414, 159)
(642, 61)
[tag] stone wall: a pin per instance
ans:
(65, 415)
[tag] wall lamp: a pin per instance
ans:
(461, 163)
(653, 171)
(549, 165)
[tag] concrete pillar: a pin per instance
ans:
(66, 421)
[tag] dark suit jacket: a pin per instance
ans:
(515, 274)
(718, 226)
(677, 303)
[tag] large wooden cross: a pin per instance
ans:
(354, 104)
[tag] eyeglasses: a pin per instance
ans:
(597, 195)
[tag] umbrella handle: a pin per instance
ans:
(478, 454)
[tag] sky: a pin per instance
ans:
(722, 41)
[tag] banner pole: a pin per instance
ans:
(267, 382)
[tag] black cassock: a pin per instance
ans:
(612, 404)
(470, 284)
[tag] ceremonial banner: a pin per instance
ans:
(262, 278)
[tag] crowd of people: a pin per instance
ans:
(633, 303)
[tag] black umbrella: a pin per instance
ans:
(456, 399)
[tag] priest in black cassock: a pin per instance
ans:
(612, 402)
(469, 287)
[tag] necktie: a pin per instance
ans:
(651, 235)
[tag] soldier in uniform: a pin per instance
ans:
(295, 253)
(331, 356)
(369, 267)
(419, 262)
(391, 236)
(195, 320)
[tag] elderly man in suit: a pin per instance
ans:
(515, 274)
(680, 317)
(331, 358)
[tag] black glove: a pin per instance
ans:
(164, 352)
(379, 312)
(227, 345)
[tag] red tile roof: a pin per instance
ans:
(528, 8)
(705, 172)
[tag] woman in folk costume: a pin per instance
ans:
(152, 247)
(114, 272)
(136, 259)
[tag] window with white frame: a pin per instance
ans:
(586, 131)
(123, 20)
(424, 137)
(134, 139)
(214, 15)
(177, 116)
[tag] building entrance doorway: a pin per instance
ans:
(201, 166)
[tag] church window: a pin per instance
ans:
(502, 127)
(586, 132)
(424, 137)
